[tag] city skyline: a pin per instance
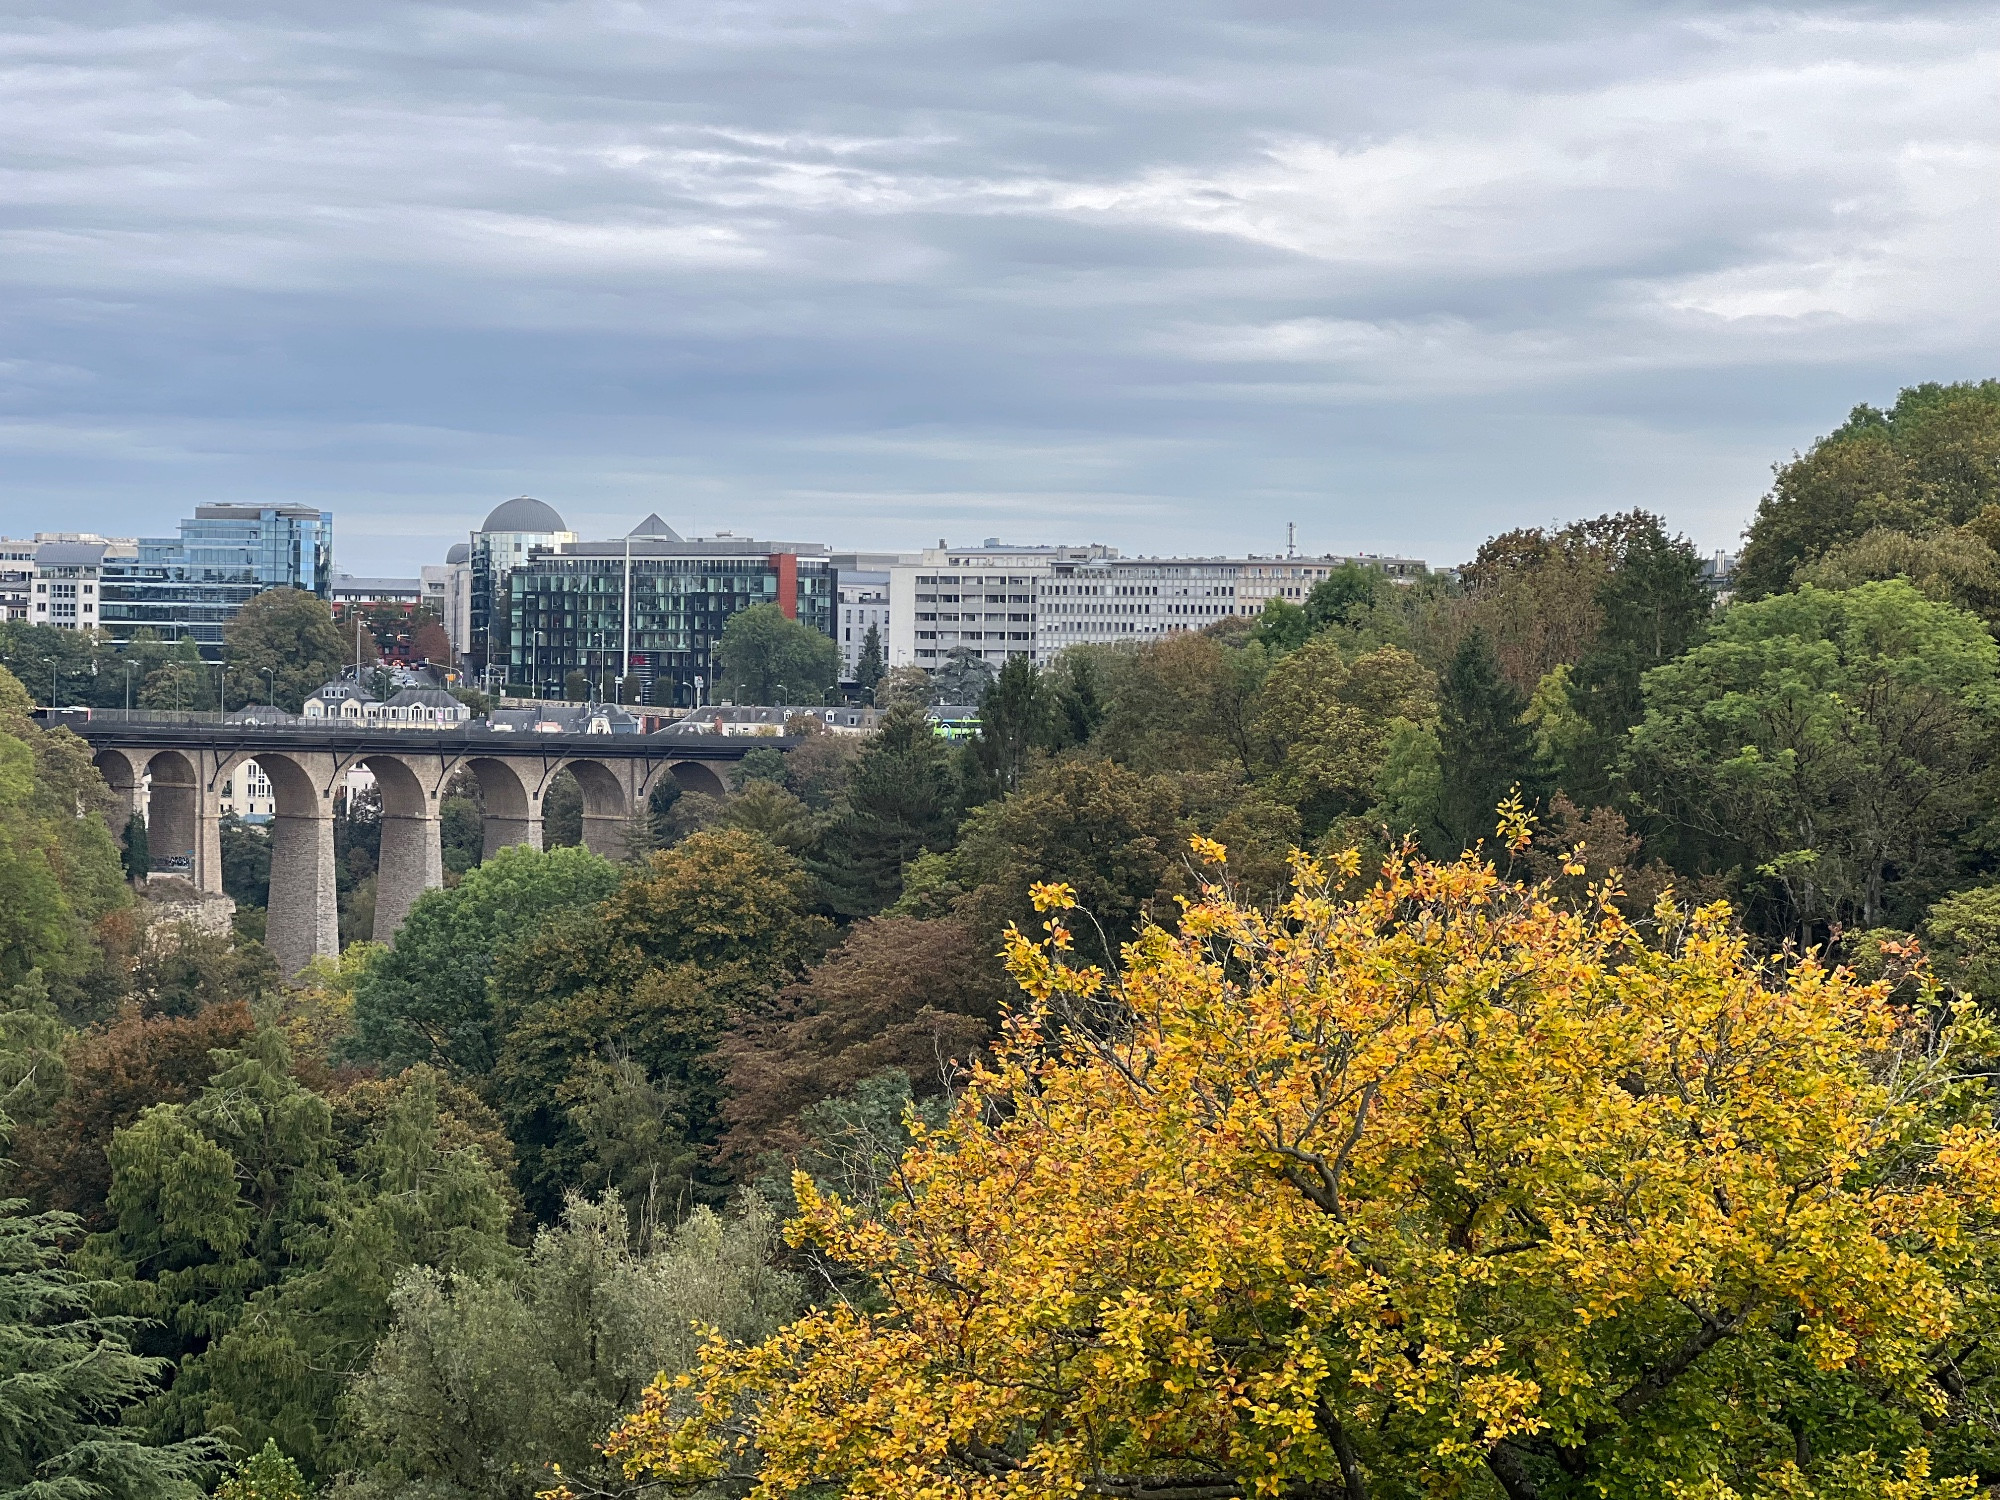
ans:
(1404, 279)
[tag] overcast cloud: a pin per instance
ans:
(1162, 275)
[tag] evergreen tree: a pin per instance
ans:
(900, 802)
(1014, 720)
(1486, 749)
(1653, 604)
(868, 671)
(65, 1376)
(138, 851)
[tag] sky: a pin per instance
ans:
(1167, 276)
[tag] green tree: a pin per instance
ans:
(1963, 934)
(901, 800)
(138, 852)
(182, 682)
(265, 1475)
(266, 1267)
(1014, 722)
(1345, 597)
(869, 668)
(427, 998)
(1653, 604)
(1930, 461)
(649, 976)
(1323, 723)
(1485, 747)
(484, 1384)
(1283, 626)
(289, 634)
(67, 1374)
(763, 655)
(1827, 745)
(1957, 566)
(963, 677)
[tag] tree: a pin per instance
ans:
(1345, 597)
(1485, 748)
(869, 668)
(266, 1265)
(901, 800)
(1926, 463)
(1826, 744)
(764, 657)
(576, 687)
(291, 635)
(111, 1075)
(964, 676)
(1183, 703)
(905, 687)
(183, 681)
(67, 1373)
(1283, 626)
(916, 996)
(1322, 724)
(1955, 567)
(138, 852)
(1653, 605)
(1112, 834)
(265, 1475)
(1409, 1193)
(429, 642)
(611, 1014)
(1014, 722)
(426, 1000)
(484, 1385)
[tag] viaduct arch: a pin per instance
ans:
(178, 770)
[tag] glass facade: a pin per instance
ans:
(567, 610)
(189, 587)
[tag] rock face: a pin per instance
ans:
(170, 900)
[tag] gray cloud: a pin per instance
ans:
(1162, 275)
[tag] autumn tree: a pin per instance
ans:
(1442, 1189)
(918, 996)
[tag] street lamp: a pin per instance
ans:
(128, 684)
(271, 686)
(50, 661)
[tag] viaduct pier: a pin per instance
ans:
(179, 768)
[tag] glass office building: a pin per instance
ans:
(189, 587)
(568, 611)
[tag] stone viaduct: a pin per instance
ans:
(181, 768)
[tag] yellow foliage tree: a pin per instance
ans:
(1442, 1190)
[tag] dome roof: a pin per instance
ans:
(458, 553)
(524, 514)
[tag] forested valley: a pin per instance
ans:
(1528, 1032)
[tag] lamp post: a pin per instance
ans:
(129, 666)
(271, 686)
(50, 662)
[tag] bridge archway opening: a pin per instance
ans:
(698, 776)
(411, 858)
(509, 814)
(173, 814)
(606, 812)
(303, 920)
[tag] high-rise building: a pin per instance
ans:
(453, 594)
(190, 587)
(504, 541)
(998, 601)
(652, 605)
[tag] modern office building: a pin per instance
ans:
(406, 593)
(190, 587)
(652, 605)
(448, 589)
(999, 601)
(507, 538)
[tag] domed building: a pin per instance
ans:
(504, 541)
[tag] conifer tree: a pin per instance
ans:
(900, 802)
(1486, 748)
(868, 671)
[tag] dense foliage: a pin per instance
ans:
(1646, 1150)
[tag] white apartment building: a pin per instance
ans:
(864, 604)
(17, 576)
(1037, 601)
(248, 794)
